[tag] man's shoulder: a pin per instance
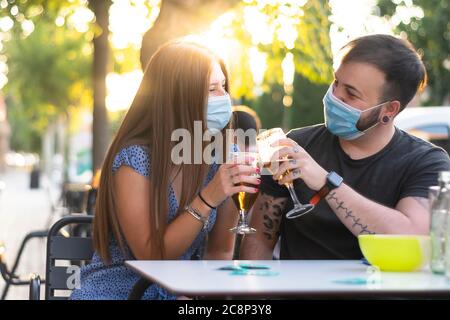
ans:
(416, 144)
(420, 150)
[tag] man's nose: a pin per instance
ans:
(339, 93)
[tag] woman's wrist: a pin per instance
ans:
(197, 214)
(201, 207)
(206, 202)
(209, 199)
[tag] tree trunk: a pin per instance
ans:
(100, 68)
(178, 18)
(5, 134)
(48, 150)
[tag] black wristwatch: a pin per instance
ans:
(333, 181)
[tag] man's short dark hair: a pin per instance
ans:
(396, 58)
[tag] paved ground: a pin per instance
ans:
(23, 210)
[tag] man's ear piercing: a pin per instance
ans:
(386, 119)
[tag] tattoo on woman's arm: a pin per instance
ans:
(348, 214)
(271, 208)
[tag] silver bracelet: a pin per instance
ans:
(194, 212)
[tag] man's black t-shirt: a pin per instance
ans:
(406, 167)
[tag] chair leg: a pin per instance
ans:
(139, 288)
(35, 287)
(7, 277)
(28, 237)
(5, 290)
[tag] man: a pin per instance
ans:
(365, 175)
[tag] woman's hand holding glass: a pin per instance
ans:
(243, 200)
(231, 178)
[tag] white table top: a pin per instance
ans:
(306, 278)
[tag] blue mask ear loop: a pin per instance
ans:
(353, 108)
(375, 106)
(378, 105)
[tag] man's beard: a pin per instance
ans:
(370, 121)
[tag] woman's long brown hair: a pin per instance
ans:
(173, 94)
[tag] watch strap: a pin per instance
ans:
(319, 195)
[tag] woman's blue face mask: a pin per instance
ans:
(341, 119)
(218, 112)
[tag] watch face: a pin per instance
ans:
(334, 179)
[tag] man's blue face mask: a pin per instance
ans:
(341, 119)
(218, 112)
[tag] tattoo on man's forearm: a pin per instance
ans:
(348, 214)
(272, 209)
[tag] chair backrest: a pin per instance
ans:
(65, 254)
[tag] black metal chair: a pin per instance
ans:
(74, 249)
(73, 198)
(10, 276)
(62, 248)
(139, 288)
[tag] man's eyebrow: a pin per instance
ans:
(349, 86)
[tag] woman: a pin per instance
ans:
(148, 207)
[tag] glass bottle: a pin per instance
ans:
(440, 211)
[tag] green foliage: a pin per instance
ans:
(269, 107)
(313, 68)
(306, 110)
(50, 69)
(126, 60)
(431, 36)
(308, 107)
(49, 74)
(312, 47)
(34, 9)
